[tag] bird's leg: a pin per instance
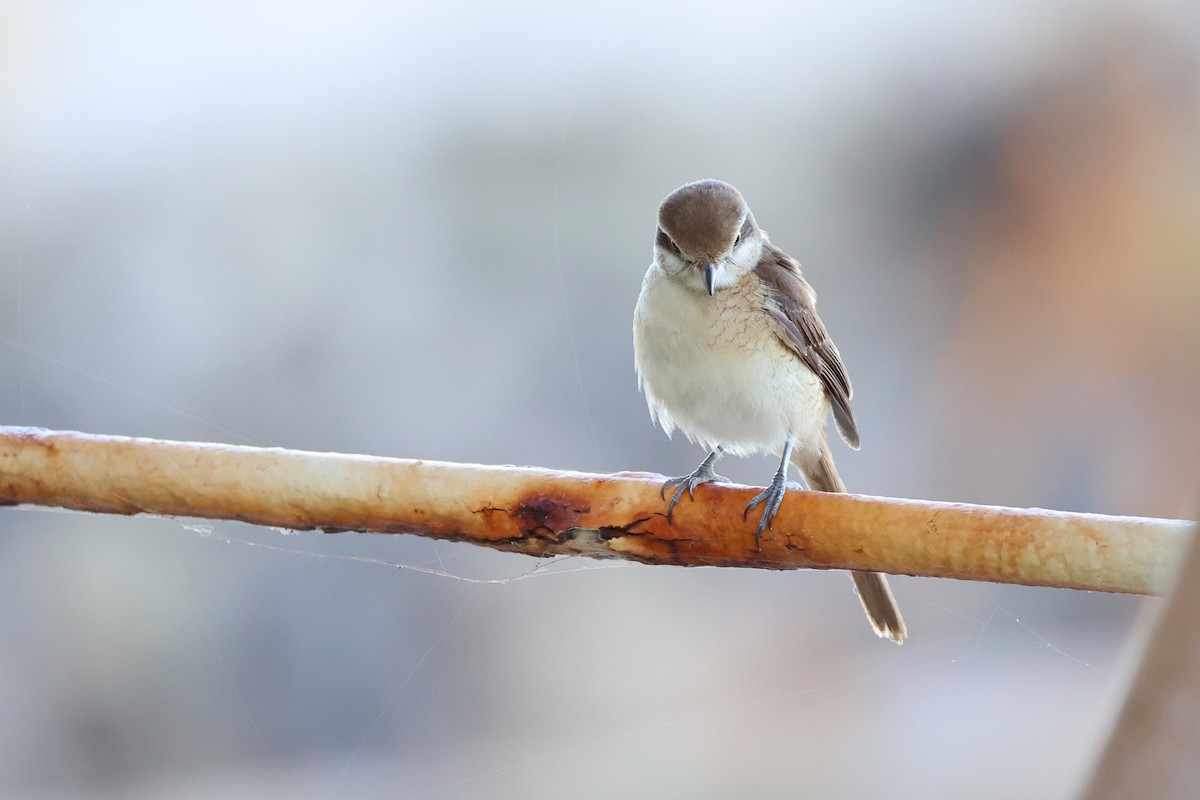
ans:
(772, 496)
(702, 474)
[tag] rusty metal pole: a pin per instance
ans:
(544, 512)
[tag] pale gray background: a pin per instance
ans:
(419, 230)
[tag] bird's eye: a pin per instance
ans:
(666, 242)
(747, 229)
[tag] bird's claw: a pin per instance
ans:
(688, 483)
(773, 497)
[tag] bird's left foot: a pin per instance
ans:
(772, 496)
(688, 483)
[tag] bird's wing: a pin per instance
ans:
(794, 307)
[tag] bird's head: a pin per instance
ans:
(706, 235)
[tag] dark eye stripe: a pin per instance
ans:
(665, 241)
(747, 227)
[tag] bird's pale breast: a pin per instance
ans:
(714, 368)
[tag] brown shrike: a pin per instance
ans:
(730, 350)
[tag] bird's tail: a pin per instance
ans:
(873, 589)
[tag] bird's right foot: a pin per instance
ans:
(688, 483)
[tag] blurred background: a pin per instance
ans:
(419, 230)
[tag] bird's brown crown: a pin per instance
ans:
(703, 218)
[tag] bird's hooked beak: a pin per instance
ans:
(710, 277)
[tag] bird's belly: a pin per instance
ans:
(717, 371)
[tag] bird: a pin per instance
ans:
(729, 350)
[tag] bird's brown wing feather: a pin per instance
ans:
(795, 309)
